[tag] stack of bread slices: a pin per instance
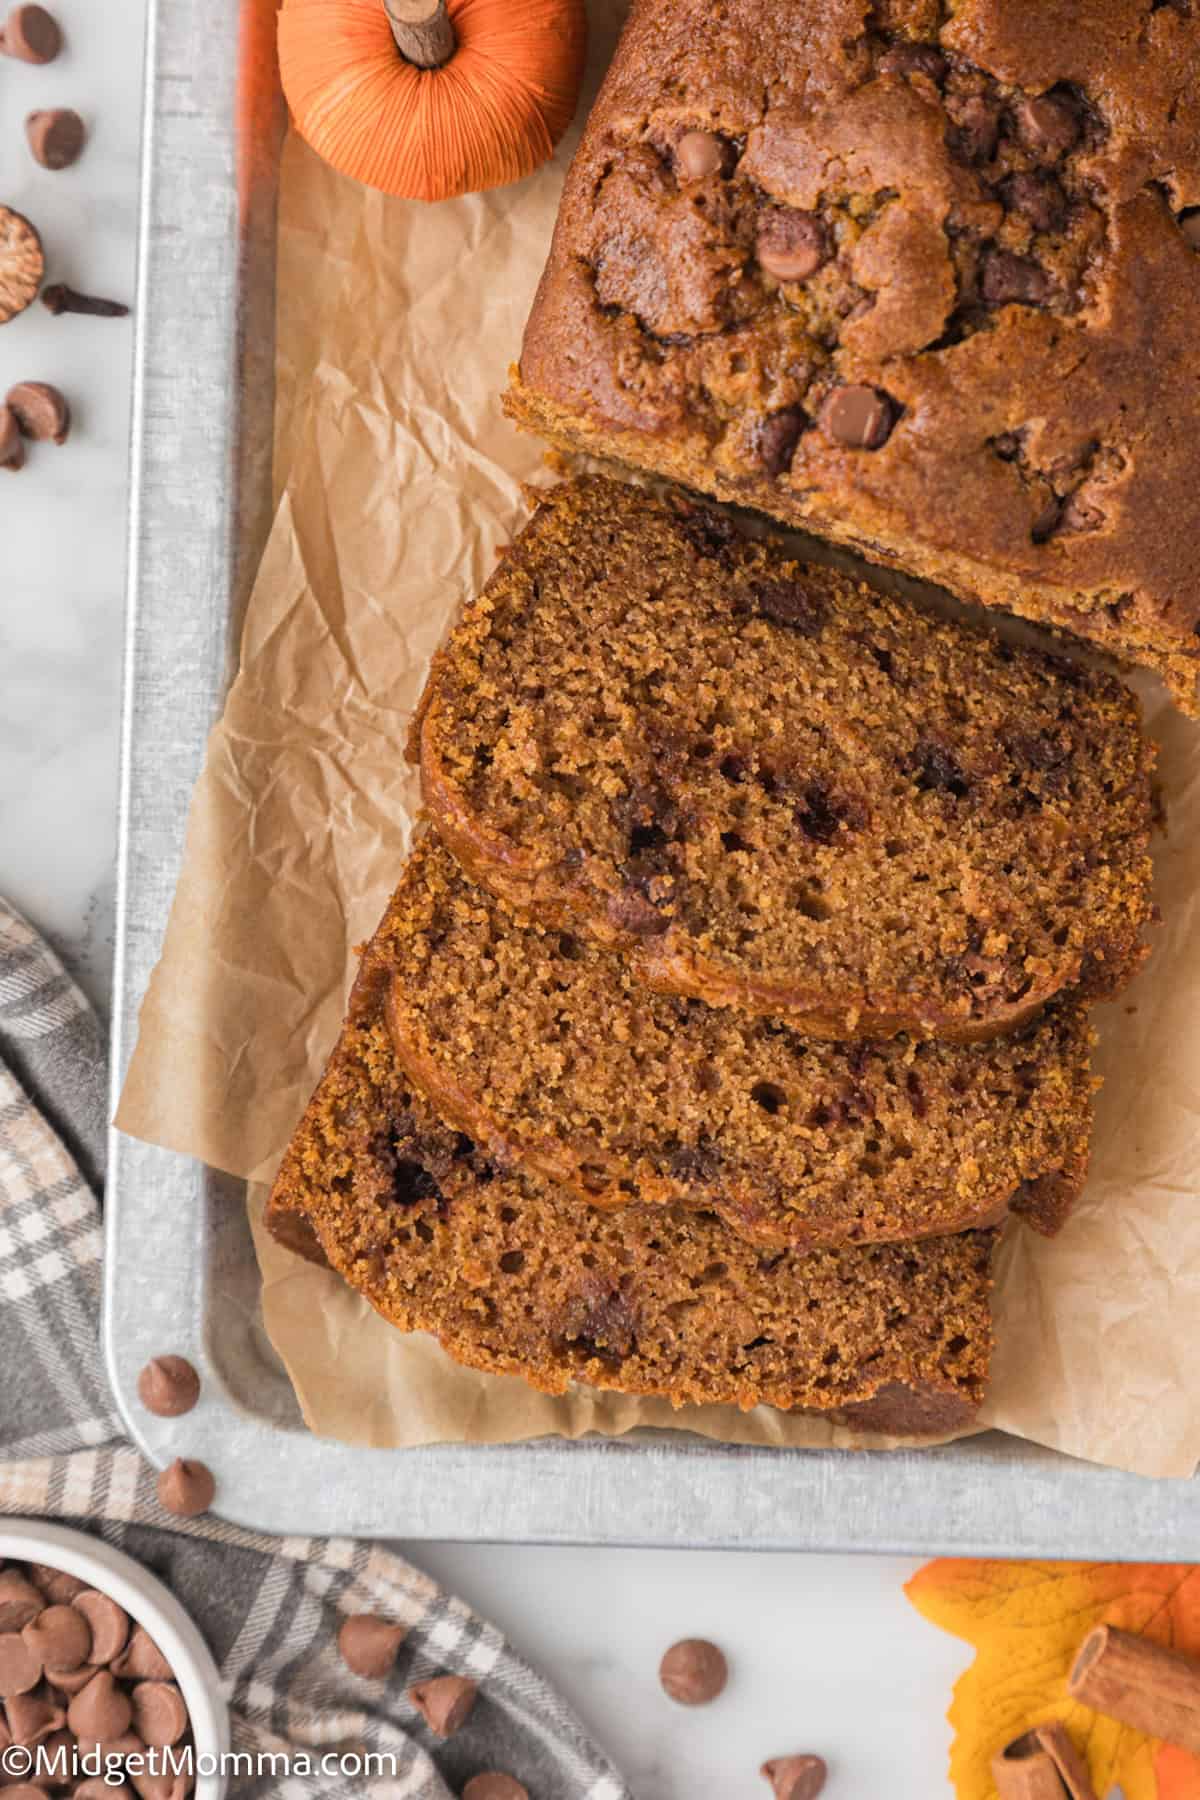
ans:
(736, 993)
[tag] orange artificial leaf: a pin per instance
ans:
(1026, 1621)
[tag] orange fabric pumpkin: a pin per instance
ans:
(488, 115)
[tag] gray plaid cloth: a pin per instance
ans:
(269, 1608)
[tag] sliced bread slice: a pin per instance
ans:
(515, 1277)
(779, 789)
(547, 1050)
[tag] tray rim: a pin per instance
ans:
(987, 1495)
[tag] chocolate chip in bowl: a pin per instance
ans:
(97, 1657)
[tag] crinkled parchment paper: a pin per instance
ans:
(397, 480)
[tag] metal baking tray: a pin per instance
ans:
(180, 1270)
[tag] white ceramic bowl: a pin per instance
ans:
(145, 1599)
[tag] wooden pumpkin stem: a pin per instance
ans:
(422, 30)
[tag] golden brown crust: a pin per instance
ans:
(515, 1277)
(778, 790)
(553, 1058)
(1000, 204)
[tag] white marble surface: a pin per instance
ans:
(62, 519)
(826, 1654)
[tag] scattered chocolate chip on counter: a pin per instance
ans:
(59, 298)
(857, 417)
(445, 1703)
(796, 1777)
(22, 263)
(186, 1488)
(40, 410)
(56, 137)
(12, 450)
(693, 1672)
(370, 1645)
(168, 1386)
(491, 1785)
(31, 34)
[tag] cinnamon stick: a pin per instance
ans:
(1141, 1684)
(1042, 1764)
(422, 30)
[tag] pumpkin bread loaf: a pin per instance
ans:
(517, 1277)
(922, 279)
(780, 790)
(551, 1056)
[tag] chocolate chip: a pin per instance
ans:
(1048, 125)
(445, 1703)
(914, 59)
(12, 450)
(70, 1681)
(159, 1715)
(778, 435)
(31, 34)
(32, 1718)
(492, 1785)
(40, 410)
(1189, 224)
(1009, 279)
(699, 154)
(55, 137)
(1038, 198)
(141, 1659)
(22, 263)
(108, 1622)
(1078, 515)
(20, 1668)
(819, 817)
(56, 1584)
(60, 1637)
(789, 603)
(370, 1645)
(101, 1712)
(791, 244)
(186, 1488)
(795, 1777)
(20, 1601)
(693, 1672)
(168, 1386)
(977, 122)
(936, 769)
(709, 533)
(857, 417)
